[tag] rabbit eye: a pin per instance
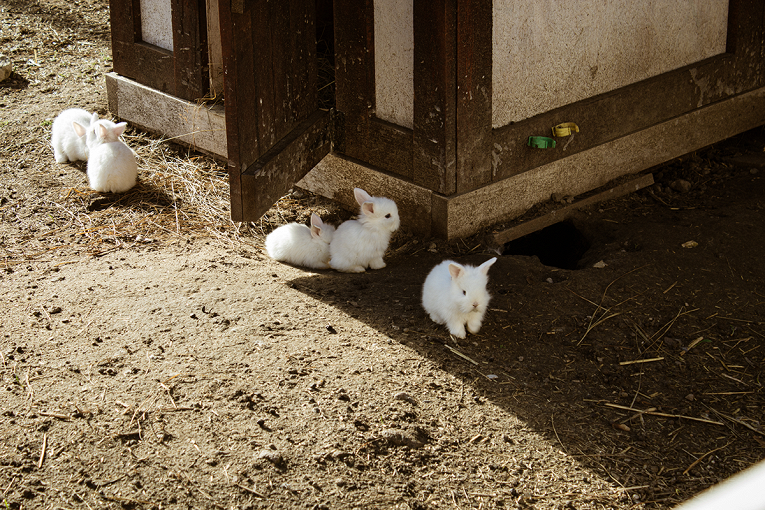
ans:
(387, 215)
(464, 293)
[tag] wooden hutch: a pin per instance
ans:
(434, 101)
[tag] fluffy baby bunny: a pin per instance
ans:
(362, 242)
(71, 132)
(456, 295)
(111, 164)
(297, 244)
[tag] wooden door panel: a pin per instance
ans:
(276, 133)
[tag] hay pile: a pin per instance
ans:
(181, 196)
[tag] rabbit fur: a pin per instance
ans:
(456, 295)
(112, 166)
(362, 242)
(298, 244)
(71, 132)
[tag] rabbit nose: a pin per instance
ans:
(475, 304)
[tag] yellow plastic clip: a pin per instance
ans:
(565, 129)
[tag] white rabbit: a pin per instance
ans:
(362, 242)
(455, 295)
(71, 132)
(297, 244)
(112, 167)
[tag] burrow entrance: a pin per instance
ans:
(560, 245)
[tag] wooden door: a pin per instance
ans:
(276, 132)
(181, 72)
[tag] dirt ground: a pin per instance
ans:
(152, 355)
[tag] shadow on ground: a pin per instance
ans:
(646, 369)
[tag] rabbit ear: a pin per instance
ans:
(367, 208)
(361, 196)
(78, 128)
(316, 225)
(484, 268)
(101, 131)
(455, 270)
(118, 129)
(94, 118)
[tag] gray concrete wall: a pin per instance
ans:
(550, 53)
(157, 23)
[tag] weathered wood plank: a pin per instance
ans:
(474, 93)
(512, 233)
(274, 173)
(232, 24)
(434, 145)
(278, 89)
(389, 147)
(214, 50)
(153, 66)
(302, 78)
(190, 49)
(260, 101)
(354, 84)
(197, 126)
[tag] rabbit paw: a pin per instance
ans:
(474, 325)
(457, 330)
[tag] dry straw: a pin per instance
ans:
(180, 196)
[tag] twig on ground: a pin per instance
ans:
(664, 415)
(701, 458)
(42, 451)
(692, 345)
(251, 491)
(736, 420)
(640, 361)
(458, 353)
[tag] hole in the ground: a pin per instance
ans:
(560, 245)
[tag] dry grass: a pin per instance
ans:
(181, 196)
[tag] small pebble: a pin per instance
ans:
(401, 438)
(272, 456)
(405, 397)
(680, 185)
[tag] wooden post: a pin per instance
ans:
(434, 139)
(474, 89)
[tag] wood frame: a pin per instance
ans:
(449, 148)
(276, 133)
(609, 116)
(453, 148)
(183, 72)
